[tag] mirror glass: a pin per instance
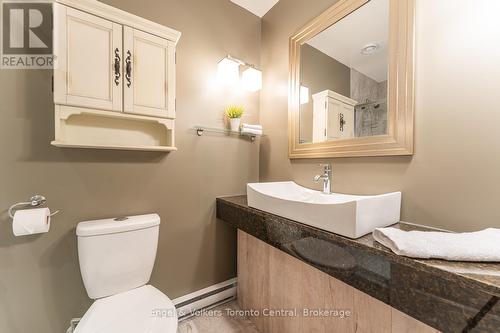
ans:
(343, 77)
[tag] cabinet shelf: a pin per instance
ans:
(87, 128)
(113, 147)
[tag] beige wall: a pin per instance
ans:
(453, 180)
(40, 283)
(319, 72)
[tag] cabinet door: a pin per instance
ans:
(87, 50)
(319, 119)
(340, 123)
(149, 70)
(348, 115)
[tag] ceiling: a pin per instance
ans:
(258, 7)
(345, 39)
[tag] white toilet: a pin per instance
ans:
(116, 260)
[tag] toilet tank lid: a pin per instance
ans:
(116, 225)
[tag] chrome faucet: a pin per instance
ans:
(326, 177)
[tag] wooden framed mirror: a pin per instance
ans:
(352, 81)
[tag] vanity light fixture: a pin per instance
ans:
(251, 80)
(228, 72)
(370, 48)
(304, 95)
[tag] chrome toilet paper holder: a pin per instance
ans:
(34, 201)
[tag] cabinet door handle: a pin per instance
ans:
(342, 122)
(128, 69)
(117, 66)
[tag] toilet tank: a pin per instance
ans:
(117, 255)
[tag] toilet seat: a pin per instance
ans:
(141, 310)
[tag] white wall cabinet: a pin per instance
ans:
(114, 73)
(333, 116)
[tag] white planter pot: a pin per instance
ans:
(235, 124)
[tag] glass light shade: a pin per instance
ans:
(304, 95)
(228, 72)
(252, 79)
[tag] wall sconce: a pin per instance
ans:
(228, 73)
(304, 95)
(251, 79)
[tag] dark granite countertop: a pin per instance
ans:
(450, 296)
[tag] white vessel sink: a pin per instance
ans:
(348, 215)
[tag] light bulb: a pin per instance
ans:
(228, 72)
(251, 79)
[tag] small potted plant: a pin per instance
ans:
(234, 113)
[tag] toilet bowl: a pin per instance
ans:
(141, 310)
(116, 260)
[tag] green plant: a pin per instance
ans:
(234, 111)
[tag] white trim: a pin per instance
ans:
(195, 300)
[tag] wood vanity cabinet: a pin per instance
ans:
(269, 278)
(116, 67)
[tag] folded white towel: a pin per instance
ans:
(250, 126)
(468, 246)
(251, 131)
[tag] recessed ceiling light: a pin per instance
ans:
(370, 48)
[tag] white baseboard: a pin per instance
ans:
(205, 298)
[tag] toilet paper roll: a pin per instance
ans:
(31, 221)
